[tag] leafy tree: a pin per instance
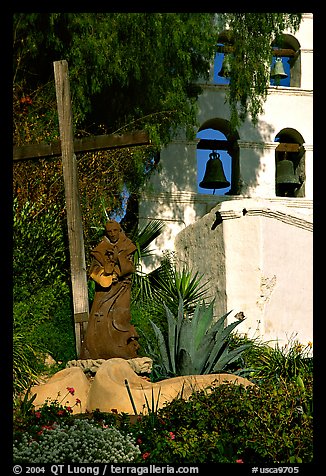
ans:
(127, 71)
(251, 36)
(132, 71)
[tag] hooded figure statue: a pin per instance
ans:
(109, 333)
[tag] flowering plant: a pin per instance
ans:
(81, 442)
(45, 417)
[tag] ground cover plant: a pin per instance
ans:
(81, 442)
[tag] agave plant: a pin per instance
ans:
(195, 345)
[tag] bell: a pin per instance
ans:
(214, 176)
(226, 67)
(278, 72)
(286, 179)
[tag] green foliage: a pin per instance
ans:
(29, 420)
(271, 423)
(45, 320)
(290, 362)
(169, 284)
(25, 362)
(143, 238)
(127, 71)
(42, 309)
(126, 54)
(39, 253)
(251, 36)
(141, 314)
(154, 291)
(129, 53)
(195, 345)
(256, 425)
(270, 361)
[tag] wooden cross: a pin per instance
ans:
(67, 147)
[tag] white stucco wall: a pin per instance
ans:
(261, 256)
(252, 259)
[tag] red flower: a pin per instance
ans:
(172, 435)
(139, 441)
(61, 412)
(145, 455)
(78, 401)
(26, 99)
(38, 414)
(71, 390)
(69, 409)
(239, 461)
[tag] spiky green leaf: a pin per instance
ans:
(165, 360)
(229, 356)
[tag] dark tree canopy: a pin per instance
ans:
(129, 71)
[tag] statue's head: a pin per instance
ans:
(113, 230)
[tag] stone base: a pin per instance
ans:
(116, 380)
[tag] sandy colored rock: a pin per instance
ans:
(141, 365)
(49, 360)
(109, 391)
(72, 377)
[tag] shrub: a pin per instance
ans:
(42, 309)
(28, 419)
(82, 442)
(292, 361)
(258, 425)
(25, 363)
(57, 333)
(43, 324)
(40, 249)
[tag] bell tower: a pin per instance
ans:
(247, 228)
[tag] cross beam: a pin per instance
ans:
(86, 144)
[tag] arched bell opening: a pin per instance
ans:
(222, 61)
(289, 164)
(286, 64)
(217, 159)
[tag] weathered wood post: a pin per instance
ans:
(73, 209)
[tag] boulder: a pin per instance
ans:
(56, 389)
(109, 390)
(116, 383)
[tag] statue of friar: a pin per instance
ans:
(109, 332)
